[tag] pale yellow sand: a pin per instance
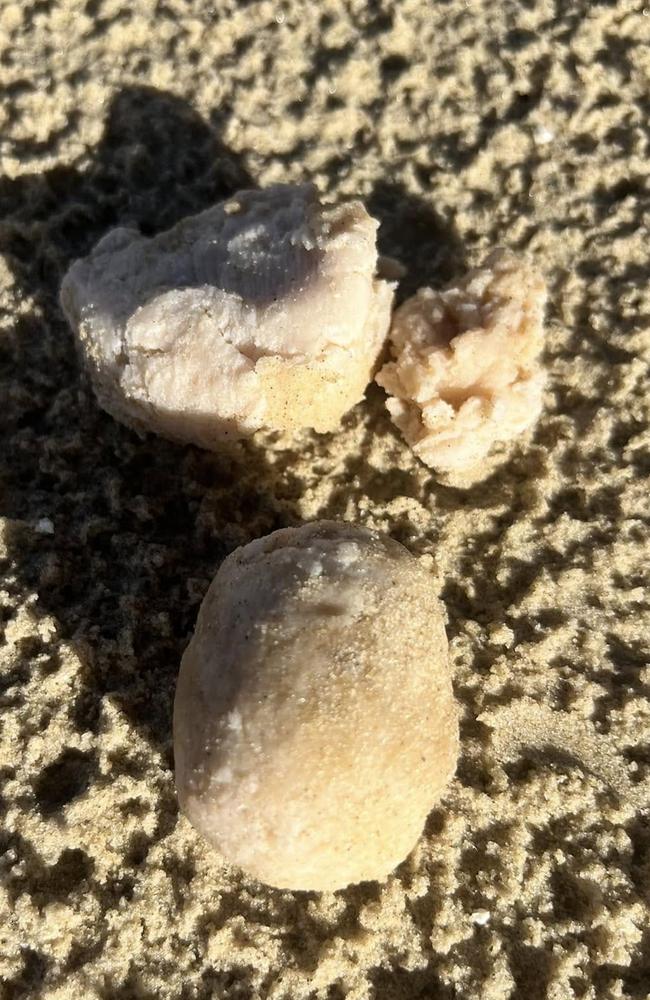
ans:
(463, 125)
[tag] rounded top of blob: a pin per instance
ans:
(314, 725)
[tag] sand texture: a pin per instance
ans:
(462, 125)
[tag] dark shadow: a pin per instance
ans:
(237, 982)
(30, 980)
(639, 757)
(136, 526)
(63, 780)
(575, 897)
(635, 977)
(139, 525)
(69, 875)
(623, 675)
(532, 759)
(532, 970)
(411, 230)
(414, 984)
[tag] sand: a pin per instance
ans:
(463, 125)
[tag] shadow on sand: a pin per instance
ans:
(140, 524)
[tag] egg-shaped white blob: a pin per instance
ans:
(314, 721)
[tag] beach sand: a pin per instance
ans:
(463, 125)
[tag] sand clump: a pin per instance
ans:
(262, 312)
(314, 724)
(465, 373)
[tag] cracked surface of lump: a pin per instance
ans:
(461, 128)
(466, 372)
(314, 721)
(261, 312)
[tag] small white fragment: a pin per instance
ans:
(45, 526)
(223, 776)
(347, 554)
(47, 627)
(543, 135)
(234, 721)
(501, 635)
(480, 917)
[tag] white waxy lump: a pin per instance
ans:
(262, 312)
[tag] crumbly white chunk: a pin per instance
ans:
(326, 643)
(261, 312)
(465, 372)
